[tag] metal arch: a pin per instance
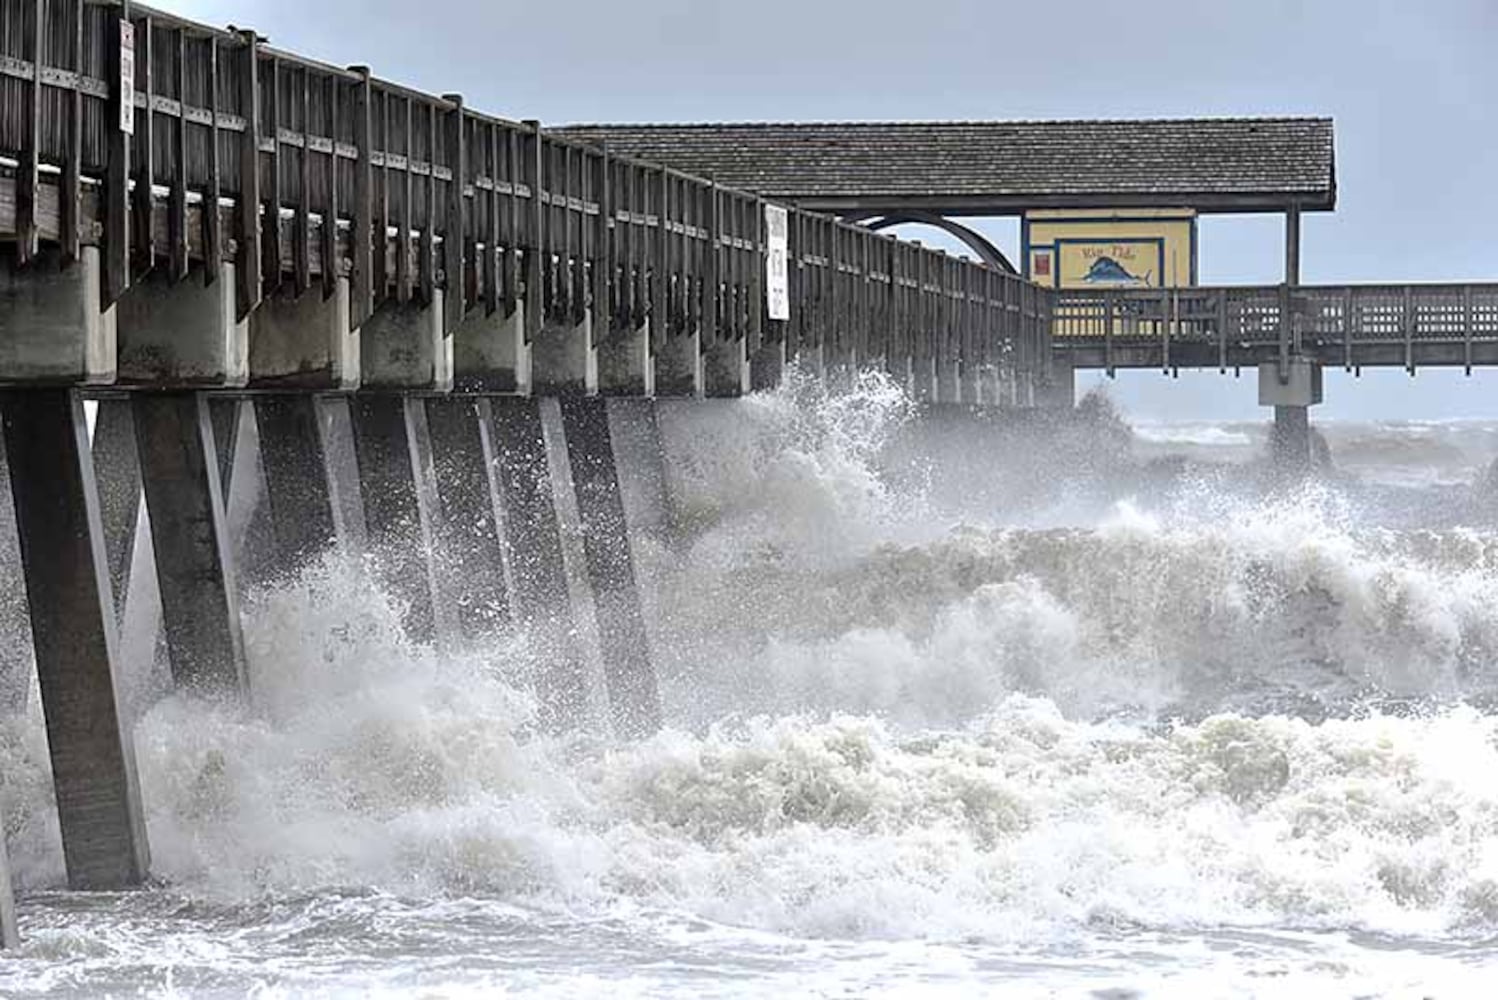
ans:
(973, 240)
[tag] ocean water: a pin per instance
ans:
(965, 710)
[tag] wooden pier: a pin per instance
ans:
(367, 313)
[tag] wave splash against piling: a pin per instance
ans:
(893, 717)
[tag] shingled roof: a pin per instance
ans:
(978, 168)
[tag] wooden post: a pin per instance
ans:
(28, 173)
(536, 244)
(454, 240)
(116, 197)
(248, 269)
(213, 227)
(362, 242)
(332, 264)
(177, 214)
(1292, 245)
(142, 233)
(301, 232)
(72, 168)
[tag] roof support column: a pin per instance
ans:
(1292, 245)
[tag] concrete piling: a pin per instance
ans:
(294, 455)
(226, 414)
(470, 549)
(533, 539)
(641, 461)
(628, 671)
(15, 681)
(396, 482)
(180, 468)
(15, 632)
(10, 935)
(1292, 390)
(640, 458)
(247, 508)
(1290, 440)
(73, 629)
(117, 472)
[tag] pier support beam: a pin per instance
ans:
(15, 630)
(533, 537)
(811, 359)
(991, 386)
(628, 671)
(626, 366)
(117, 473)
(948, 381)
(73, 629)
(678, 366)
(54, 329)
(726, 371)
(490, 353)
(183, 332)
(563, 360)
(1059, 390)
(640, 457)
(470, 551)
(396, 482)
(923, 382)
(840, 365)
(306, 515)
(900, 368)
(970, 386)
(1290, 440)
(405, 346)
(247, 508)
(10, 935)
(1292, 392)
(304, 342)
(179, 465)
(767, 366)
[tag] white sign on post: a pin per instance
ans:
(127, 78)
(777, 268)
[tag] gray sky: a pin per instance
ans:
(1413, 87)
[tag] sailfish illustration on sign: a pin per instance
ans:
(1107, 271)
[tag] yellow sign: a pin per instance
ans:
(1103, 248)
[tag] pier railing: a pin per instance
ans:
(1348, 325)
(165, 143)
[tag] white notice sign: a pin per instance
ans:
(777, 247)
(127, 78)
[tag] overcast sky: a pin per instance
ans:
(1412, 85)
